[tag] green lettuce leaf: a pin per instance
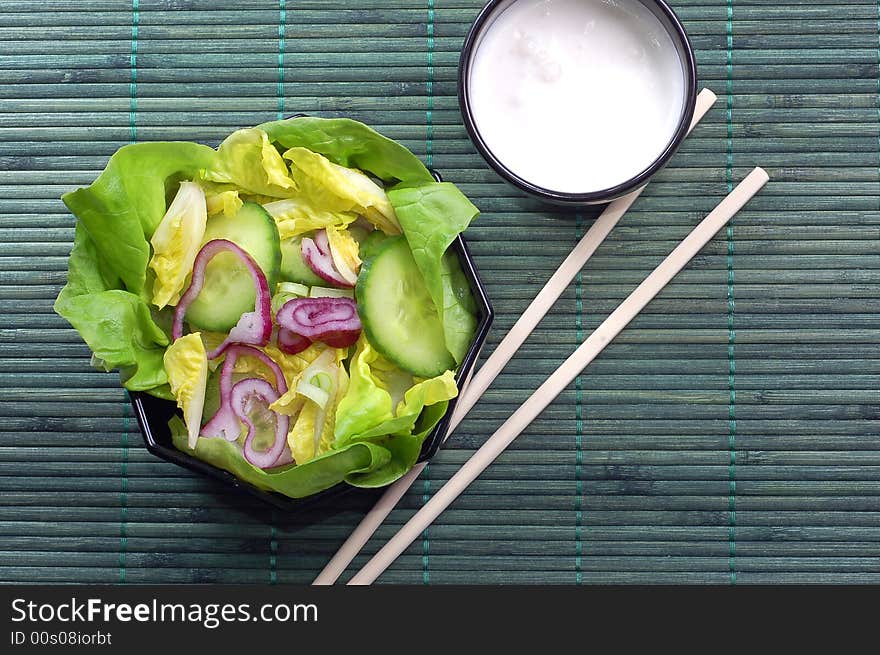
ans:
(407, 434)
(430, 417)
(367, 403)
(432, 216)
(404, 452)
(404, 449)
(366, 414)
(162, 391)
(121, 209)
(352, 464)
(459, 312)
(117, 325)
(352, 144)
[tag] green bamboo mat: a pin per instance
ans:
(730, 435)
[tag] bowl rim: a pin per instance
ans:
(685, 50)
(146, 405)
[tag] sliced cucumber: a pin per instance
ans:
(397, 312)
(294, 267)
(229, 288)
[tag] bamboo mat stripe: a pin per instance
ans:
(132, 123)
(728, 436)
(731, 309)
(579, 418)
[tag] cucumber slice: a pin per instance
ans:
(229, 289)
(397, 312)
(294, 267)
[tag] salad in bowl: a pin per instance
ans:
(294, 299)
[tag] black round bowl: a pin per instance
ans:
(679, 37)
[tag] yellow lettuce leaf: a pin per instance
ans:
(225, 202)
(428, 392)
(176, 243)
(293, 366)
(306, 438)
(345, 252)
(295, 216)
(247, 159)
(187, 368)
(337, 188)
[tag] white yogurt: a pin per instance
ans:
(576, 95)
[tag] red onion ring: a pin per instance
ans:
(316, 253)
(290, 342)
(224, 423)
(253, 327)
(332, 320)
(243, 394)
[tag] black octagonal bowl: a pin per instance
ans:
(154, 413)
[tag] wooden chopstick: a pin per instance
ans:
(564, 375)
(502, 354)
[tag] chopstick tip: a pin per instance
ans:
(709, 95)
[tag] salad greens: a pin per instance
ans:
(123, 207)
(250, 163)
(328, 192)
(115, 323)
(176, 242)
(346, 463)
(432, 216)
(351, 144)
(187, 367)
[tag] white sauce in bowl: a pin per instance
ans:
(576, 96)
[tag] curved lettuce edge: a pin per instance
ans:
(107, 291)
(121, 209)
(404, 448)
(352, 144)
(363, 464)
(117, 325)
